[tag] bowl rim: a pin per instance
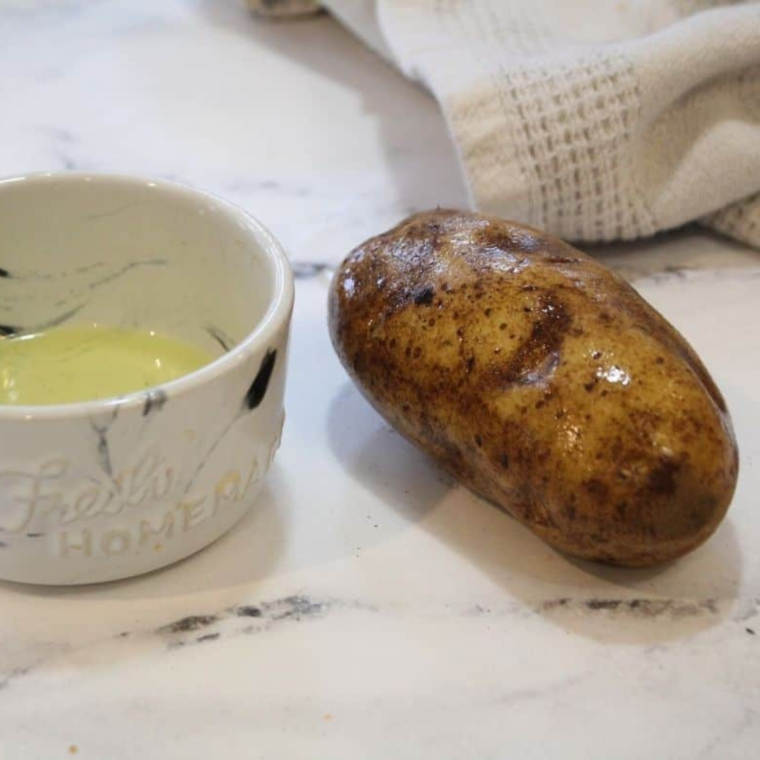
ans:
(277, 314)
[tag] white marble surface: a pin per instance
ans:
(367, 608)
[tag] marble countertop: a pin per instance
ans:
(367, 607)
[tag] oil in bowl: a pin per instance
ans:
(85, 362)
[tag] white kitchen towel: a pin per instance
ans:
(593, 119)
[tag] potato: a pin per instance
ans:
(540, 380)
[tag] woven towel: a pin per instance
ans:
(594, 119)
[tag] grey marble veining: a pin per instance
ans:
(367, 607)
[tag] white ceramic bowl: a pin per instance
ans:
(107, 489)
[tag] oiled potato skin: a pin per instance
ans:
(540, 380)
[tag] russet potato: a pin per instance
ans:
(542, 381)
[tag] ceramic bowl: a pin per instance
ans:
(106, 489)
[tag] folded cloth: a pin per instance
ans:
(593, 119)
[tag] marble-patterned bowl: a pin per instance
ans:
(101, 490)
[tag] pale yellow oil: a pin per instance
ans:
(85, 362)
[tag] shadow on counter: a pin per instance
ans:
(609, 604)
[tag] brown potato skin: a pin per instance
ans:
(540, 380)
